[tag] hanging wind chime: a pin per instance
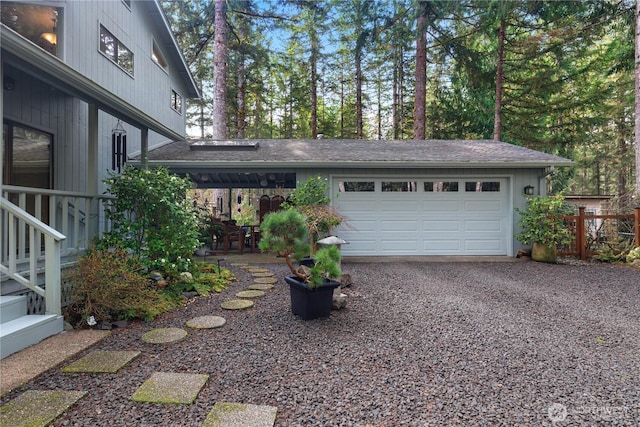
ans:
(118, 147)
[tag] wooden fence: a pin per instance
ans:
(594, 233)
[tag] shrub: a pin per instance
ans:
(542, 221)
(152, 219)
(108, 286)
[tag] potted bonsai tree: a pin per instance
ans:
(311, 200)
(285, 233)
(543, 226)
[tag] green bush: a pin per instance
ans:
(542, 221)
(152, 219)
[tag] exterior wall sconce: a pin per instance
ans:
(528, 190)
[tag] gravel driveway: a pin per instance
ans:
(420, 344)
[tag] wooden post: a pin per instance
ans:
(636, 224)
(580, 237)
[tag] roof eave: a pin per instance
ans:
(350, 164)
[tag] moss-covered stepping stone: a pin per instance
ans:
(225, 414)
(38, 407)
(164, 335)
(260, 274)
(167, 387)
(206, 322)
(258, 270)
(269, 280)
(102, 361)
(237, 304)
(250, 294)
(260, 286)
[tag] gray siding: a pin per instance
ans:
(149, 89)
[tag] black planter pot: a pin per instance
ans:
(311, 303)
(308, 262)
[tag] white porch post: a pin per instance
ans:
(92, 166)
(144, 147)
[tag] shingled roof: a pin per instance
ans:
(302, 153)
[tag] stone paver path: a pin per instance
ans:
(37, 408)
(225, 414)
(260, 286)
(206, 322)
(167, 387)
(164, 335)
(102, 362)
(237, 304)
(251, 293)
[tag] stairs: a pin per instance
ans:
(19, 330)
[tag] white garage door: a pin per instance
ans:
(449, 216)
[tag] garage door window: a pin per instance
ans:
(482, 186)
(356, 186)
(440, 186)
(399, 186)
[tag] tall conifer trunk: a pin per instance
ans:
(220, 72)
(497, 118)
(420, 101)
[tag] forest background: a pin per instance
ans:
(555, 76)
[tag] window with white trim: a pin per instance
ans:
(117, 52)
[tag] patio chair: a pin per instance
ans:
(233, 233)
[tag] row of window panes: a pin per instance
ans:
(412, 186)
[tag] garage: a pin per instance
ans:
(400, 197)
(427, 216)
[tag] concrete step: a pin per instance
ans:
(27, 330)
(12, 307)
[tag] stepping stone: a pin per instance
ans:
(164, 335)
(206, 322)
(260, 286)
(102, 362)
(167, 387)
(225, 414)
(38, 407)
(237, 304)
(258, 270)
(239, 264)
(250, 294)
(269, 280)
(261, 274)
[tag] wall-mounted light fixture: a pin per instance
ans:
(528, 190)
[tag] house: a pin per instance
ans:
(401, 198)
(85, 84)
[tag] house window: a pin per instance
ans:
(113, 49)
(399, 186)
(440, 186)
(482, 186)
(176, 101)
(157, 56)
(38, 24)
(356, 186)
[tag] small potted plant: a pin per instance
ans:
(543, 226)
(285, 232)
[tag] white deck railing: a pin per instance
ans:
(41, 227)
(13, 216)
